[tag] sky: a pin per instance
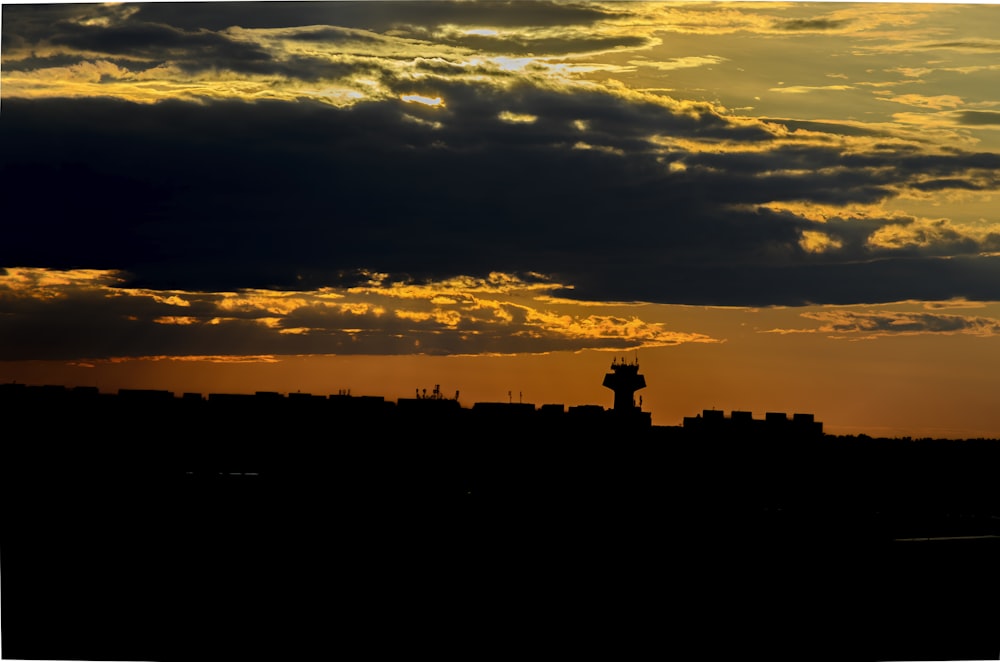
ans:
(771, 206)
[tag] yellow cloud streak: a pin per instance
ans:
(176, 320)
(511, 304)
(223, 358)
(604, 327)
(47, 283)
(163, 83)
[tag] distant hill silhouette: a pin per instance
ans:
(150, 525)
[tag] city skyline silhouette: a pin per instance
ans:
(227, 507)
(372, 192)
(128, 507)
(321, 325)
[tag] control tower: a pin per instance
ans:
(624, 379)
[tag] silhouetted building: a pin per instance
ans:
(586, 414)
(134, 506)
(367, 407)
(424, 404)
(624, 379)
(231, 398)
(775, 425)
(505, 411)
(144, 395)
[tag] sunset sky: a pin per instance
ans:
(772, 206)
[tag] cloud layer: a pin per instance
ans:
(595, 190)
(89, 314)
(296, 149)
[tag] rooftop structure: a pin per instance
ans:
(742, 423)
(624, 379)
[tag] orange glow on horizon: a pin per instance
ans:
(854, 396)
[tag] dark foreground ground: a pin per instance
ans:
(454, 546)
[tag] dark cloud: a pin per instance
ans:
(70, 214)
(73, 315)
(224, 195)
(376, 16)
(971, 44)
(443, 67)
(191, 35)
(541, 46)
(137, 45)
(96, 327)
(833, 128)
(141, 39)
(888, 323)
(991, 242)
(31, 62)
(27, 23)
(979, 117)
(197, 50)
(788, 173)
(951, 183)
(810, 24)
(334, 35)
(881, 280)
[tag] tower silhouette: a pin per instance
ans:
(624, 379)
